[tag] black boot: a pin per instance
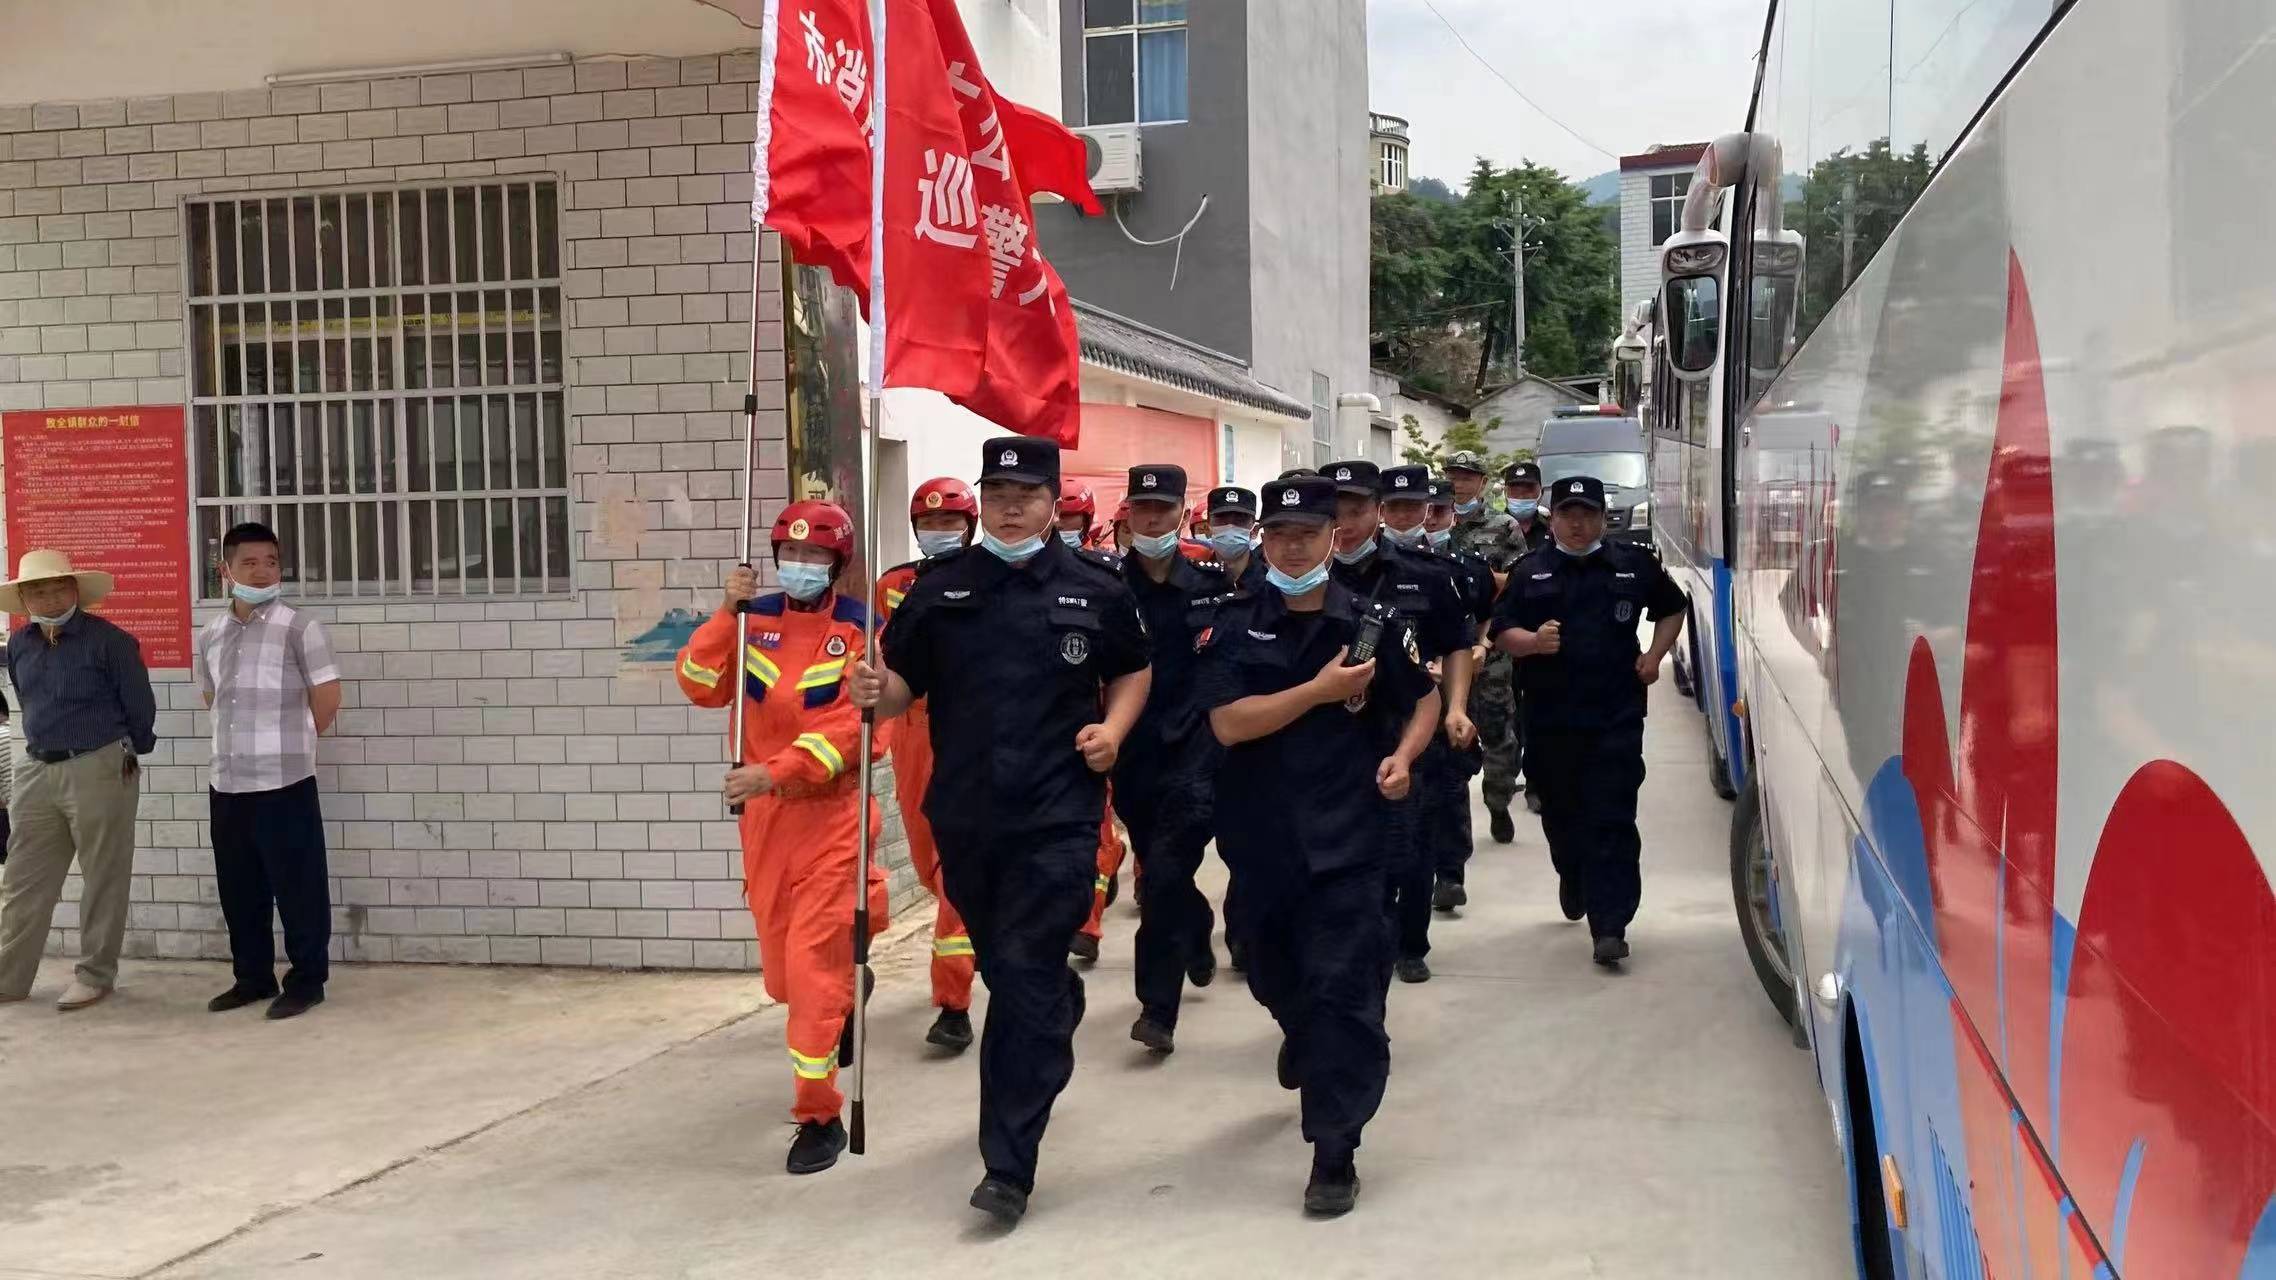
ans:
(1334, 1187)
(1611, 951)
(996, 1196)
(1084, 948)
(1203, 970)
(1504, 826)
(238, 997)
(817, 1146)
(952, 1030)
(1570, 898)
(1153, 1035)
(1448, 895)
(1412, 969)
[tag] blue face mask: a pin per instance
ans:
(1406, 537)
(1068, 536)
(1358, 553)
(1018, 552)
(804, 582)
(1305, 585)
(938, 542)
(1157, 547)
(1470, 508)
(1442, 538)
(1589, 550)
(1229, 544)
(255, 596)
(1524, 508)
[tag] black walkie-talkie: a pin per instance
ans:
(1370, 631)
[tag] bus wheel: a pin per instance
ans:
(1751, 890)
(1876, 1250)
(1719, 773)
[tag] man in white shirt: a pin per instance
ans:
(267, 674)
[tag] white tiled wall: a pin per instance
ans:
(503, 787)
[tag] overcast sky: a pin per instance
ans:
(1623, 73)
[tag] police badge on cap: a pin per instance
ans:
(1360, 477)
(1406, 482)
(1303, 499)
(1521, 473)
(1021, 460)
(1157, 482)
(1232, 498)
(1585, 490)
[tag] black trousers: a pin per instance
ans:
(268, 854)
(1320, 963)
(1412, 866)
(1168, 803)
(1448, 821)
(1588, 783)
(1022, 896)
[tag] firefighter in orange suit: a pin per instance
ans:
(943, 513)
(801, 820)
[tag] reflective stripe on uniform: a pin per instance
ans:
(1101, 884)
(699, 673)
(819, 747)
(759, 664)
(813, 1068)
(823, 674)
(956, 945)
(894, 598)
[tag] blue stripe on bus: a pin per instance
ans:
(2125, 1209)
(1726, 659)
(2065, 944)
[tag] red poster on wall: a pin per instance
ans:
(110, 488)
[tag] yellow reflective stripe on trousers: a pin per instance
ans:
(762, 666)
(956, 945)
(819, 747)
(814, 1068)
(823, 673)
(699, 673)
(1100, 884)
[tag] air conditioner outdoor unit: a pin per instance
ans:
(1114, 153)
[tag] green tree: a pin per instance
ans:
(1848, 208)
(1406, 272)
(1421, 451)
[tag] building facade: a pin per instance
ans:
(1652, 187)
(1388, 135)
(1252, 123)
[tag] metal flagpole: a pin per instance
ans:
(761, 191)
(857, 1129)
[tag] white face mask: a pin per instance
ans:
(57, 620)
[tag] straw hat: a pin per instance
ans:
(40, 566)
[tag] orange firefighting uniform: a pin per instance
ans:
(1111, 851)
(801, 840)
(912, 754)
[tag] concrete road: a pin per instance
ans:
(1545, 1118)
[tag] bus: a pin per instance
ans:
(1957, 386)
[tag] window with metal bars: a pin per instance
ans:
(377, 374)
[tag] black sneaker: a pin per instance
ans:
(1611, 951)
(1153, 1035)
(1570, 898)
(292, 1005)
(1287, 1066)
(1448, 895)
(1504, 826)
(1203, 970)
(1237, 955)
(952, 1030)
(1084, 948)
(817, 1146)
(1412, 969)
(995, 1196)
(238, 998)
(1334, 1188)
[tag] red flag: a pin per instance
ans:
(1051, 156)
(1031, 379)
(810, 162)
(936, 245)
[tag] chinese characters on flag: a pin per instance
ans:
(972, 309)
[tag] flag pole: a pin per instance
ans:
(763, 129)
(857, 1128)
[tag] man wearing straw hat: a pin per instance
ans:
(87, 713)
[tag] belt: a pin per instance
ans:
(60, 757)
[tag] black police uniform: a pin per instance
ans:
(1304, 830)
(1234, 498)
(1584, 708)
(1448, 822)
(1419, 588)
(1014, 659)
(1165, 778)
(1536, 531)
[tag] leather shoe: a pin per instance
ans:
(238, 998)
(291, 1005)
(1412, 969)
(1504, 827)
(1084, 948)
(1448, 895)
(994, 1196)
(79, 996)
(1333, 1190)
(1153, 1035)
(1203, 970)
(1611, 951)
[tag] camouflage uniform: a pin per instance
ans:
(1493, 537)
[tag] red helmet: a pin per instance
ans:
(1122, 512)
(1078, 502)
(818, 524)
(946, 493)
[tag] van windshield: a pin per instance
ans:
(1618, 470)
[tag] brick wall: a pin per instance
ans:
(503, 785)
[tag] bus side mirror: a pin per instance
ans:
(1694, 311)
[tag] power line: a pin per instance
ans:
(1523, 96)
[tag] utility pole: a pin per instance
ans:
(1517, 309)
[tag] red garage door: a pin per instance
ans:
(1118, 437)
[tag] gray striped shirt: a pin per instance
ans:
(258, 673)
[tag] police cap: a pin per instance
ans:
(1522, 473)
(1358, 476)
(1466, 460)
(1020, 459)
(1585, 490)
(1303, 499)
(1230, 498)
(1441, 493)
(1157, 482)
(1406, 482)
